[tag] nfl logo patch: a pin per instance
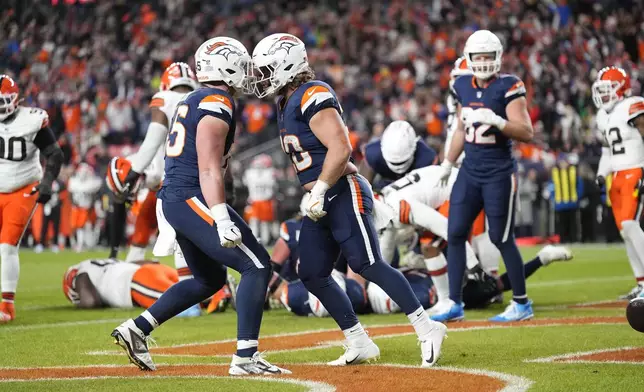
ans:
(479, 94)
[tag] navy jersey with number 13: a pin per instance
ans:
(488, 152)
(181, 169)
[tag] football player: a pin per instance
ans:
(339, 201)
(115, 284)
(125, 175)
(395, 154)
(621, 122)
(24, 135)
(209, 232)
(83, 187)
(492, 112)
(260, 180)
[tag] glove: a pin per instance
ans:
(315, 203)
(44, 190)
(483, 116)
(130, 183)
(229, 234)
(446, 170)
(600, 181)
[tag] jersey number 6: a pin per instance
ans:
(177, 136)
(301, 159)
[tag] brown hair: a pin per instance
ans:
(303, 77)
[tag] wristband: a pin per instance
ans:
(501, 122)
(447, 164)
(219, 212)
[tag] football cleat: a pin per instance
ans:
(515, 312)
(634, 293)
(135, 344)
(193, 311)
(447, 310)
(551, 253)
(356, 355)
(431, 344)
(7, 312)
(254, 366)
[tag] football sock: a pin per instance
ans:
(246, 348)
(334, 299)
(356, 335)
(420, 321)
(178, 298)
(9, 271)
(530, 268)
(146, 322)
(393, 283)
(515, 268)
(117, 227)
(437, 267)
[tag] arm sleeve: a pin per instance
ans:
(516, 89)
(317, 98)
(154, 139)
(44, 138)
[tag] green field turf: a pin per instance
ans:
(49, 332)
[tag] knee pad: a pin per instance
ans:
(380, 301)
(357, 295)
(7, 251)
(316, 305)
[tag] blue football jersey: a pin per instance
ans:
(290, 233)
(298, 141)
(423, 157)
(488, 152)
(181, 180)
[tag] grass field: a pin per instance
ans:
(52, 346)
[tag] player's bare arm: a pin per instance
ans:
(366, 171)
(518, 126)
(211, 141)
(328, 127)
(87, 294)
(638, 122)
(154, 138)
(281, 252)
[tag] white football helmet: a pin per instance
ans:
(277, 59)
(224, 59)
(380, 301)
(398, 146)
(483, 41)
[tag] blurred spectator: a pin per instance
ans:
(120, 122)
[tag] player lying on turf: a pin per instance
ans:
(620, 120)
(340, 202)
(99, 283)
(24, 136)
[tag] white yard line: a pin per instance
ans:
(569, 357)
(552, 283)
(16, 328)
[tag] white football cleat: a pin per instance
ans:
(634, 293)
(135, 344)
(431, 344)
(551, 253)
(357, 355)
(254, 366)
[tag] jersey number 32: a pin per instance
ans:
(477, 135)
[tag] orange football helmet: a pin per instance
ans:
(460, 68)
(178, 74)
(117, 172)
(68, 285)
(8, 96)
(612, 85)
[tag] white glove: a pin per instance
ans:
(229, 234)
(483, 116)
(315, 202)
(446, 170)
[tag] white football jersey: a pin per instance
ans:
(452, 124)
(19, 156)
(624, 140)
(112, 280)
(84, 189)
(261, 183)
(422, 185)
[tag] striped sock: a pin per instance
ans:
(8, 297)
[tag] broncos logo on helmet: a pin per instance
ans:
(221, 48)
(286, 43)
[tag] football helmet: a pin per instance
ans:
(398, 146)
(8, 96)
(612, 85)
(117, 173)
(460, 68)
(483, 41)
(178, 74)
(224, 59)
(277, 59)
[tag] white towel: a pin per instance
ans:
(167, 236)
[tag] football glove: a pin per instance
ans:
(315, 203)
(600, 181)
(446, 171)
(484, 116)
(229, 234)
(45, 191)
